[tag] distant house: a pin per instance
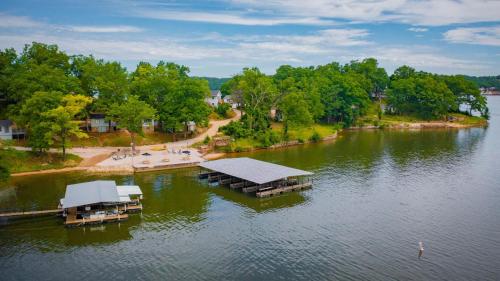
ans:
(191, 126)
(9, 131)
(149, 125)
(492, 91)
(229, 100)
(215, 98)
(99, 124)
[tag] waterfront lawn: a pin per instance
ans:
(371, 118)
(295, 134)
(26, 161)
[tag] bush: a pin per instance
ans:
(300, 140)
(235, 130)
(206, 140)
(268, 138)
(222, 109)
(4, 171)
(315, 137)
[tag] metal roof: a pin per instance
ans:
(249, 169)
(88, 193)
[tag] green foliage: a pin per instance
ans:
(315, 137)
(175, 96)
(215, 83)
(130, 115)
(60, 123)
(485, 81)
(268, 138)
(223, 109)
(206, 140)
(107, 82)
(4, 169)
(236, 130)
(423, 95)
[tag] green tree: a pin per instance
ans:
(31, 117)
(4, 170)
(259, 96)
(377, 77)
(40, 67)
(106, 82)
(422, 95)
(60, 120)
(466, 94)
(130, 115)
(295, 112)
(176, 97)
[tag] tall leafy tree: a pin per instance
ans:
(31, 117)
(259, 95)
(130, 115)
(107, 82)
(176, 97)
(40, 67)
(466, 94)
(60, 121)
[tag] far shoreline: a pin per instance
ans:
(217, 155)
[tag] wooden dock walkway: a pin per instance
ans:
(72, 220)
(30, 213)
(280, 190)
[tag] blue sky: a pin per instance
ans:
(219, 37)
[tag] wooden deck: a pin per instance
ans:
(280, 190)
(30, 213)
(72, 220)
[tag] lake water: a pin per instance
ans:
(376, 194)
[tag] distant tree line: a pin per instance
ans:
(215, 83)
(335, 93)
(485, 81)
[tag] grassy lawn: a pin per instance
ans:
(305, 134)
(295, 134)
(371, 118)
(26, 161)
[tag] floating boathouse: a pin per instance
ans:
(254, 176)
(99, 202)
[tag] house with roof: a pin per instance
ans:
(99, 124)
(8, 130)
(229, 100)
(215, 98)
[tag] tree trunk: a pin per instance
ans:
(63, 144)
(132, 138)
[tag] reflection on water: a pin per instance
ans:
(375, 195)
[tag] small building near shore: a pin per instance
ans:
(254, 176)
(9, 131)
(99, 124)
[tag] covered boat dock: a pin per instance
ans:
(98, 202)
(250, 175)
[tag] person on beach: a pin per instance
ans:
(420, 249)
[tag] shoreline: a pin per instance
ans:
(217, 155)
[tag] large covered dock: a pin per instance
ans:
(250, 175)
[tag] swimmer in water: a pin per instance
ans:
(420, 249)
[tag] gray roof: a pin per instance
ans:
(214, 93)
(88, 193)
(256, 171)
(5, 123)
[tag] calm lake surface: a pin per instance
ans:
(376, 194)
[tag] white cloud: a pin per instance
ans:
(9, 21)
(236, 18)
(102, 29)
(418, 29)
(489, 36)
(427, 12)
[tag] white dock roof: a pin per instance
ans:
(88, 193)
(249, 169)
